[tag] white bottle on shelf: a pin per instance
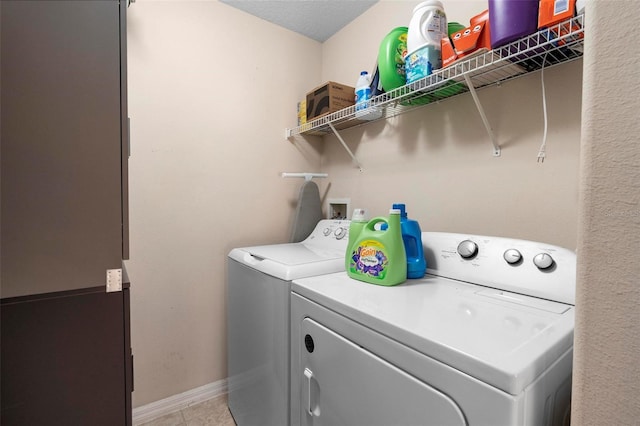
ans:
(364, 110)
(363, 91)
(427, 28)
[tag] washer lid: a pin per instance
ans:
(291, 261)
(504, 339)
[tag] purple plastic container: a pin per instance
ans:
(512, 19)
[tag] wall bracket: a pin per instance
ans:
(344, 144)
(485, 121)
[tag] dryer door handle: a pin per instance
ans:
(312, 385)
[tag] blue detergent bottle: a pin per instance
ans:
(412, 238)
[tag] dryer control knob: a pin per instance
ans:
(543, 261)
(326, 231)
(467, 249)
(340, 233)
(512, 256)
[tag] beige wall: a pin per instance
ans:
(211, 90)
(208, 143)
(606, 387)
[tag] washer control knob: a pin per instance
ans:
(512, 256)
(543, 261)
(467, 249)
(326, 231)
(340, 233)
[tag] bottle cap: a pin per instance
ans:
(400, 207)
(363, 73)
(394, 211)
(359, 214)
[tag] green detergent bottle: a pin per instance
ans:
(377, 256)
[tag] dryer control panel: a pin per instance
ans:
(526, 267)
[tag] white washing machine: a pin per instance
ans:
(258, 316)
(485, 338)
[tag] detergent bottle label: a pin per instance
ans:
(369, 258)
(401, 52)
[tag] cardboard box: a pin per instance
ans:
(485, 36)
(551, 12)
(448, 53)
(328, 98)
(474, 37)
(302, 112)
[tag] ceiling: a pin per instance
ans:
(316, 19)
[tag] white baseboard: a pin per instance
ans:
(178, 402)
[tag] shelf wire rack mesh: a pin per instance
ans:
(557, 44)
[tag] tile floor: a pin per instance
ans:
(213, 412)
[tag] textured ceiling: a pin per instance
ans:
(316, 19)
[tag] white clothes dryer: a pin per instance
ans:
(258, 317)
(485, 338)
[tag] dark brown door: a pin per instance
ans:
(66, 359)
(62, 154)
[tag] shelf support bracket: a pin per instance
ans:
(344, 145)
(492, 136)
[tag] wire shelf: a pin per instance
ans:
(558, 44)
